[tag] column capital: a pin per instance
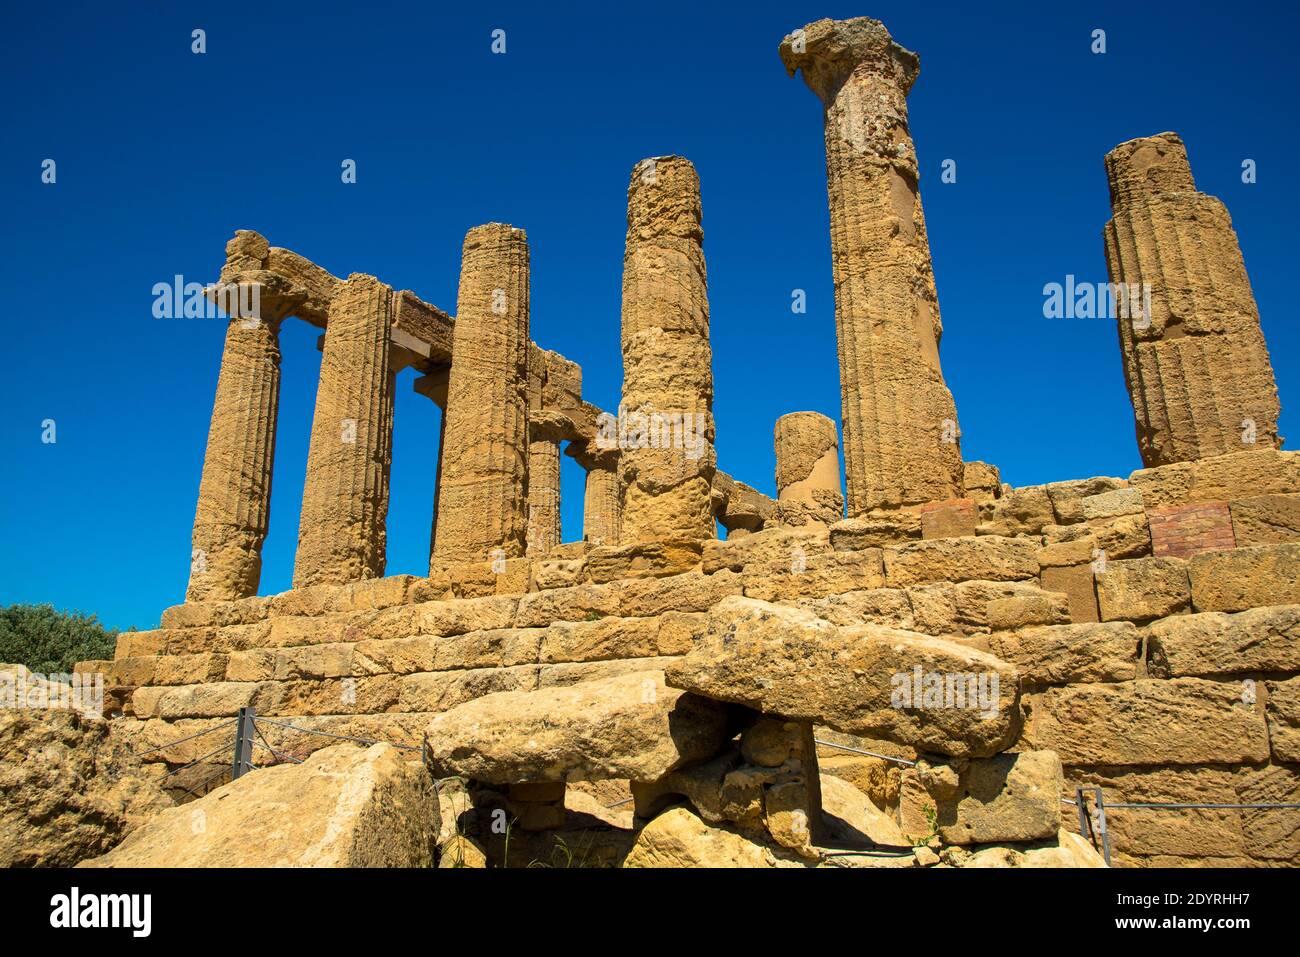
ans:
(1147, 166)
(830, 51)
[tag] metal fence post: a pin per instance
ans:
(243, 743)
(1101, 826)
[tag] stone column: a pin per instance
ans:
(482, 498)
(602, 512)
(666, 417)
(234, 505)
(545, 432)
(1195, 360)
(900, 424)
(807, 470)
(342, 534)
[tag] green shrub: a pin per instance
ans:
(50, 641)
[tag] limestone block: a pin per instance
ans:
(990, 558)
(875, 606)
(1220, 478)
(1112, 504)
(1214, 643)
(951, 519)
(1246, 577)
(651, 559)
(1284, 719)
(876, 528)
(1067, 497)
(1266, 519)
(981, 482)
(788, 662)
(343, 807)
(1023, 611)
(1008, 797)
(678, 838)
(1022, 511)
(770, 545)
(1140, 589)
(816, 576)
(1072, 653)
(628, 727)
(1150, 722)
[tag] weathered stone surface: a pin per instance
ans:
(900, 422)
(678, 838)
(988, 558)
(234, 504)
(876, 528)
(1195, 360)
(1073, 653)
(815, 576)
(1079, 587)
(543, 491)
(344, 806)
(1266, 519)
(1027, 610)
(342, 533)
(1009, 797)
(68, 790)
(953, 518)
(775, 544)
(981, 481)
(481, 488)
(1067, 497)
(807, 469)
(602, 508)
(1246, 578)
(1111, 504)
(1214, 643)
(1150, 722)
(874, 606)
(1022, 511)
(1222, 478)
(968, 608)
(647, 559)
(1284, 719)
(667, 461)
(628, 727)
(1141, 589)
(1070, 850)
(788, 662)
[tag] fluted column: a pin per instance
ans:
(482, 497)
(666, 413)
(544, 436)
(900, 422)
(602, 513)
(1195, 360)
(807, 469)
(342, 534)
(234, 504)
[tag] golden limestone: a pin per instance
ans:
(1194, 356)
(900, 423)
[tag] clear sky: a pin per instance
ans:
(161, 154)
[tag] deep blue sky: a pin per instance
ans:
(162, 154)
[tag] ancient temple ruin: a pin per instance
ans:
(1135, 634)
